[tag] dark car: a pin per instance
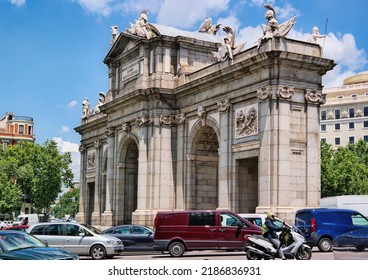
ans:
(19, 245)
(324, 227)
(134, 237)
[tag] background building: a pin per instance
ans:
(344, 116)
(14, 129)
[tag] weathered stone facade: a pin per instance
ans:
(180, 130)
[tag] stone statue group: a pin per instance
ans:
(227, 50)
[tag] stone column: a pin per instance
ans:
(144, 186)
(224, 155)
(267, 134)
(313, 182)
(96, 215)
(282, 182)
(181, 159)
(82, 185)
(108, 213)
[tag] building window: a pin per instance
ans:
(337, 141)
(365, 124)
(351, 139)
(351, 113)
(340, 98)
(351, 125)
(365, 109)
(365, 138)
(337, 126)
(354, 96)
(323, 140)
(30, 130)
(323, 115)
(5, 144)
(337, 114)
(21, 129)
(323, 127)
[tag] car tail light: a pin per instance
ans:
(313, 224)
(155, 224)
(246, 238)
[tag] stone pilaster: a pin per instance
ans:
(108, 213)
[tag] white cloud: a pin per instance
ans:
(103, 7)
(73, 104)
(64, 129)
(336, 48)
(191, 11)
(73, 148)
(18, 2)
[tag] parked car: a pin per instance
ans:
(180, 231)
(32, 219)
(4, 224)
(19, 245)
(19, 227)
(82, 239)
(322, 227)
(134, 237)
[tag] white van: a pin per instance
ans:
(32, 219)
(259, 219)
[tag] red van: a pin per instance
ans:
(180, 231)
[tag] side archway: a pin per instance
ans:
(127, 181)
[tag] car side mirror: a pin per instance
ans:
(239, 224)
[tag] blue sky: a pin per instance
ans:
(52, 51)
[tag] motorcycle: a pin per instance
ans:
(292, 244)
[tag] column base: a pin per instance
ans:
(80, 217)
(107, 219)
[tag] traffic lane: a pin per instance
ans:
(336, 254)
(196, 255)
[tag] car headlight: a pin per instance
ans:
(114, 242)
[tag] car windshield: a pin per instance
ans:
(16, 241)
(92, 229)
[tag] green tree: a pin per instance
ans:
(68, 204)
(344, 171)
(38, 171)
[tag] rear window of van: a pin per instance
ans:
(176, 219)
(202, 219)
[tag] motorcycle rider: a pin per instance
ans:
(271, 233)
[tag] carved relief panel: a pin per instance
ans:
(246, 121)
(91, 160)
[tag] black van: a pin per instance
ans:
(322, 226)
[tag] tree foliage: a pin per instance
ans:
(34, 171)
(344, 171)
(68, 205)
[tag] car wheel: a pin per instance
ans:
(303, 254)
(360, 248)
(98, 252)
(325, 245)
(176, 249)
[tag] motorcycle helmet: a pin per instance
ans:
(271, 216)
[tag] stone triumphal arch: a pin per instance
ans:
(190, 122)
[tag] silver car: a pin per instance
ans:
(82, 239)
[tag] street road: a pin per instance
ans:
(336, 254)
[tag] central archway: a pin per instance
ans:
(204, 169)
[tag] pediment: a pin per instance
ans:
(124, 43)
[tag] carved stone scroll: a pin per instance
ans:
(285, 92)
